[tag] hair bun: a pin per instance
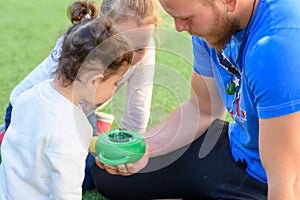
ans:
(81, 10)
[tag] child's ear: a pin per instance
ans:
(95, 79)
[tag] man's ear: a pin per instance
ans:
(231, 5)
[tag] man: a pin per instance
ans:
(246, 61)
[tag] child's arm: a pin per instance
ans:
(66, 177)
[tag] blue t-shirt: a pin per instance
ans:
(266, 77)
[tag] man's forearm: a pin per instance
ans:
(283, 192)
(181, 127)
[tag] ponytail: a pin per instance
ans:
(81, 10)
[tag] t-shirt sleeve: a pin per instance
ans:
(66, 176)
(66, 163)
(202, 60)
(273, 71)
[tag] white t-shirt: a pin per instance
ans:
(139, 79)
(45, 147)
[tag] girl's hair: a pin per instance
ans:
(79, 10)
(142, 11)
(89, 46)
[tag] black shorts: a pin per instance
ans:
(203, 170)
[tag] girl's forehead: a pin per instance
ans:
(132, 24)
(127, 25)
(139, 36)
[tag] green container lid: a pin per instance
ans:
(120, 146)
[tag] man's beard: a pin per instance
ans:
(222, 32)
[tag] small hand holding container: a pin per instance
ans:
(118, 147)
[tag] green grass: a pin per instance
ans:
(28, 33)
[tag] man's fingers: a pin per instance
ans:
(111, 169)
(98, 163)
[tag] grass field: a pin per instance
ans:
(28, 33)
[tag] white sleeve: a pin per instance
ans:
(67, 172)
(139, 93)
(66, 151)
(41, 73)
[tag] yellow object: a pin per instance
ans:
(93, 144)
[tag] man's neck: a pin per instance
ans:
(246, 9)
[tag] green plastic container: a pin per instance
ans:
(119, 147)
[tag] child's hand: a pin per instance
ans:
(125, 169)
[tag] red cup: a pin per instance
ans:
(2, 132)
(104, 122)
(1, 137)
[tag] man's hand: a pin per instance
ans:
(125, 169)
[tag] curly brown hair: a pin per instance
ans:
(92, 45)
(78, 9)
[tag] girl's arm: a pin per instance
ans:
(139, 93)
